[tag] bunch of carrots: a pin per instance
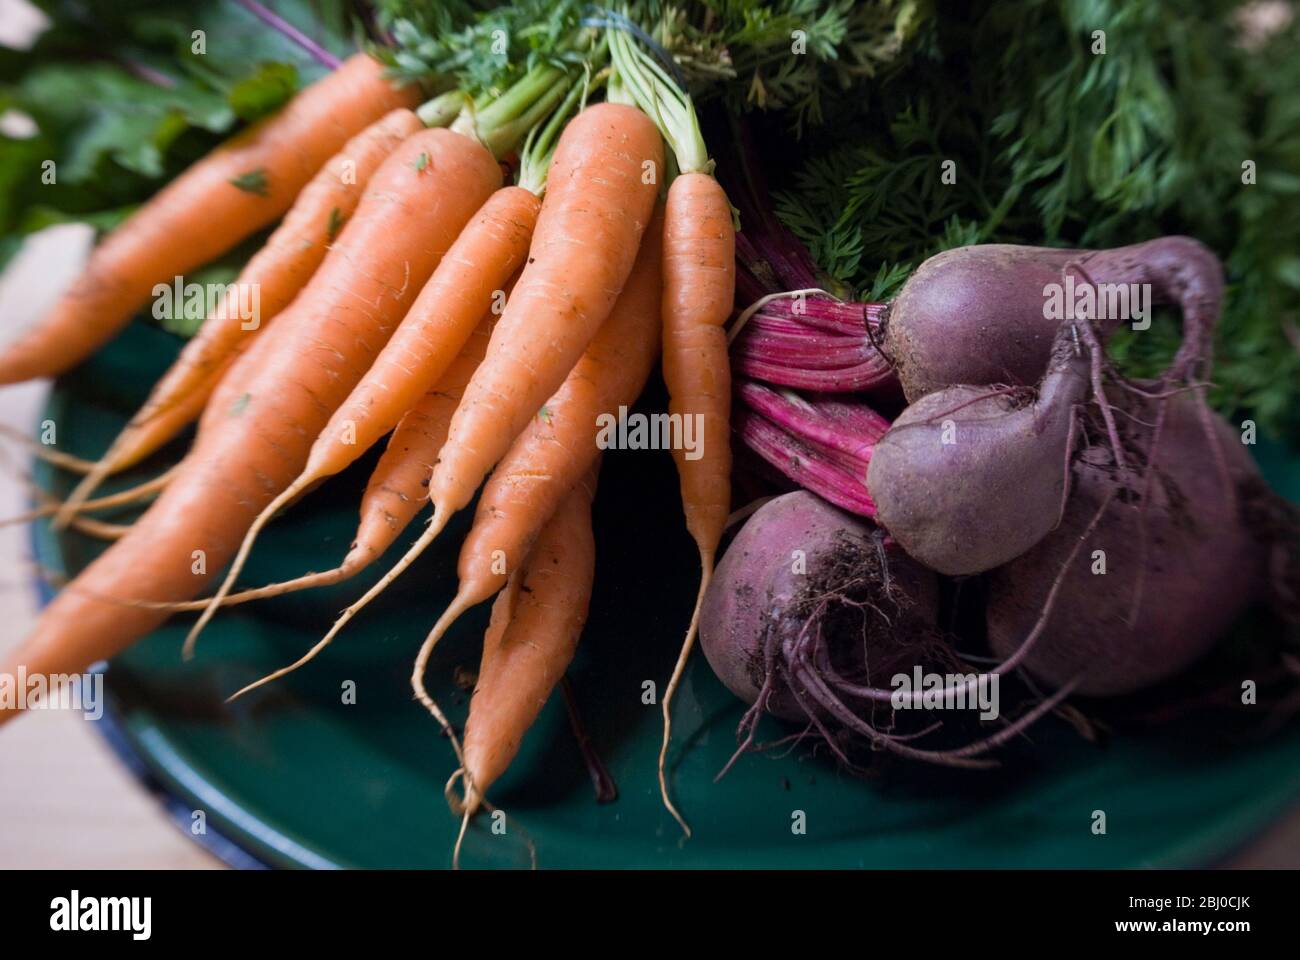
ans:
(409, 291)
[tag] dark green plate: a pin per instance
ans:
(295, 777)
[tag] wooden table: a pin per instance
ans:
(65, 799)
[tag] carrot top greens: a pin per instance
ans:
(124, 96)
(903, 129)
(1187, 123)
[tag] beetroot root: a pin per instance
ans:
(1181, 562)
(811, 616)
(969, 477)
(975, 315)
(798, 568)
(972, 316)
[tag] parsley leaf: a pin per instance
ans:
(254, 181)
(335, 224)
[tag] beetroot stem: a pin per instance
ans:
(803, 463)
(278, 23)
(811, 340)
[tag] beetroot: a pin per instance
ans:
(1181, 558)
(800, 561)
(975, 315)
(809, 617)
(813, 342)
(969, 477)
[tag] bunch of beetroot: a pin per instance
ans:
(1120, 526)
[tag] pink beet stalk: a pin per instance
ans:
(813, 342)
(821, 443)
(278, 23)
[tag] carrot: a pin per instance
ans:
(236, 190)
(462, 289)
(300, 371)
(524, 104)
(600, 196)
(466, 284)
(552, 453)
(398, 487)
(277, 272)
(530, 641)
(560, 445)
(471, 277)
(698, 297)
(395, 493)
(142, 491)
(699, 285)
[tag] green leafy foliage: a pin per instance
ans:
(125, 94)
(1055, 142)
(777, 55)
(790, 55)
(260, 93)
(101, 112)
(484, 48)
(864, 209)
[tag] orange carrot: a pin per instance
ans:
(600, 195)
(303, 368)
(397, 489)
(235, 191)
(470, 281)
(471, 278)
(277, 272)
(699, 293)
(396, 492)
(533, 634)
(699, 290)
(461, 290)
(551, 454)
(561, 443)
